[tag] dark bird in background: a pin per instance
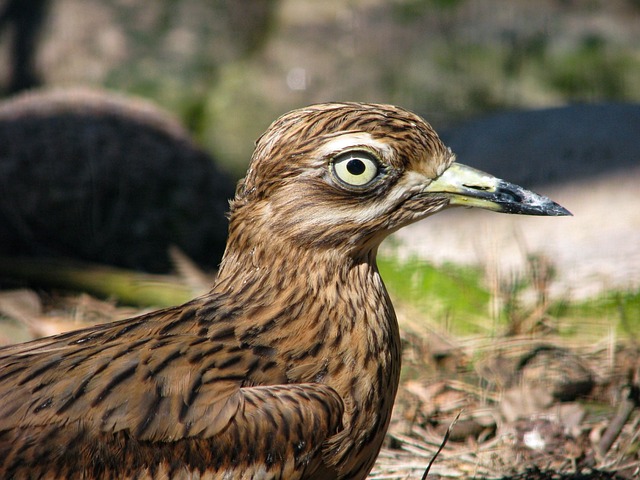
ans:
(289, 366)
(97, 176)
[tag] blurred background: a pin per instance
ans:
(541, 93)
(227, 68)
(124, 125)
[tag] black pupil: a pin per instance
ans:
(356, 166)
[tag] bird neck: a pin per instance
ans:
(324, 317)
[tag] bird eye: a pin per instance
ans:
(355, 168)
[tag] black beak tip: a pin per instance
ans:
(519, 200)
(560, 211)
(551, 209)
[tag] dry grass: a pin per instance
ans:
(524, 402)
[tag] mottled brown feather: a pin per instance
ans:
(288, 368)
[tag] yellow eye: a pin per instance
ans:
(356, 168)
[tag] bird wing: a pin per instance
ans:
(159, 381)
(113, 380)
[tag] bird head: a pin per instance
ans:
(348, 174)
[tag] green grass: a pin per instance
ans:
(618, 310)
(450, 295)
(455, 299)
(592, 70)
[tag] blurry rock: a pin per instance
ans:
(101, 177)
(558, 371)
(545, 146)
(522, 402)
(497, 369)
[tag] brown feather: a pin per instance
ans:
(287, 368)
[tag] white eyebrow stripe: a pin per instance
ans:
(355, 139)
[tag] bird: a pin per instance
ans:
(288, 367)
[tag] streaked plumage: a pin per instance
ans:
(289, 367)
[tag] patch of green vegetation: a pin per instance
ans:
(591, 71)
(455, 299)
(620, 310)
(471, 78)
(460, 79)
(450, 295)
(410, 10)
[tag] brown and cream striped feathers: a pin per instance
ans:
(288, 368)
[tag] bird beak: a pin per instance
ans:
(469, 187)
